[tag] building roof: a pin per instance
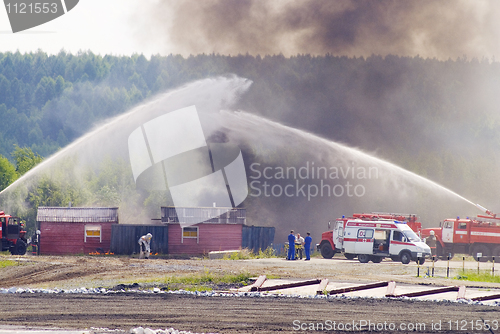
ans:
(194, 215)
(77, 215)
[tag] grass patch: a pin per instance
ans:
(8, 263)
(206, 281)
(246, 254)
(208, 277)
(474, 276)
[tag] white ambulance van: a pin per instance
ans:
(375, 240)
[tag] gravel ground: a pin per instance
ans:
(223, 314)
(234, 315)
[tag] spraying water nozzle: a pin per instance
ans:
(488, 212)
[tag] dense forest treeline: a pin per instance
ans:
(437, 118)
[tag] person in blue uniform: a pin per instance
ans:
(307, 246)
(291, 246)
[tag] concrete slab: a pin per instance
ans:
(7, 329)
(373, 293)
(380, 292)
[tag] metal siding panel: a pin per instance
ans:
(257, 237)
(68, 238)
(245, 236)
(79, 215)
(212, 237)
(125, 238)
(222, 215)
(174, 239)
(61, 238)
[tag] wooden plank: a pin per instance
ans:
(490, 297)
(359, 288)
(428, 292)
(258, 283)
(289, 285)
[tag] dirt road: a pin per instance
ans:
(102, 271)
(224, 314)
(240, 315)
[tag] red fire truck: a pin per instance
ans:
(12, 234)
(479, 237)
(332, 240)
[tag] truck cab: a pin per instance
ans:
(479, 237)
(12, 234)
(333, 239)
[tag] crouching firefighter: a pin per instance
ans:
(145, 246)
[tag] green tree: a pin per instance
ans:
(5, 92)
(60, 85)
(8, 173)
(25, 159)
(112, 183)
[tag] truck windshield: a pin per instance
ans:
(412, 236)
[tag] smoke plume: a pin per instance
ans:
(428, 28)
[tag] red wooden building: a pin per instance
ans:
(75, 230)
(223, 232)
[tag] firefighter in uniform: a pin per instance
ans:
(291, 246)
(431, 242)
(145, 245)
(307, 246)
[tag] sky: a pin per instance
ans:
(429, 28)
(102, 26)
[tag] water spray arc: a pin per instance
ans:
(243, 129)
(242, 122)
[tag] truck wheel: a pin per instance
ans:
(439, 252)
(349, 256)
(405, 257)
(443, 254)
(486, 255)
(496, 254)
(376, 259)
(326, 250)
(363, 258)
(20, 247)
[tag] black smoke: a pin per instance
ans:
(428, 28)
